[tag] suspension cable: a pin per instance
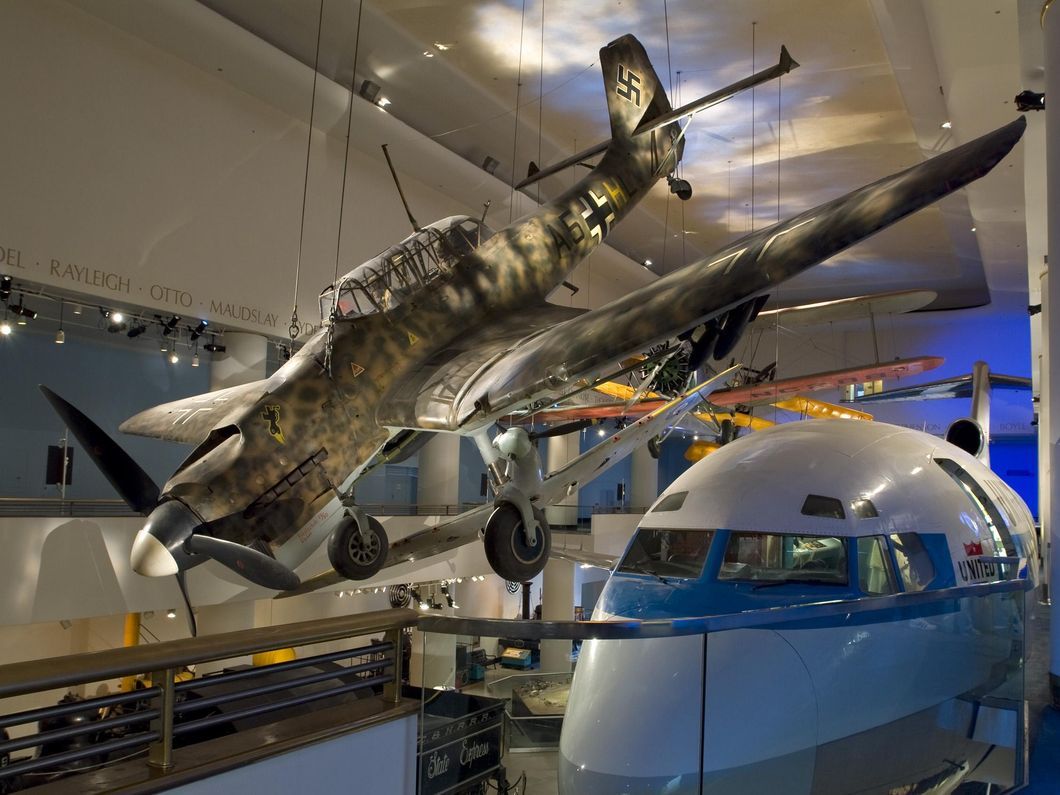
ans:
(515, 135)
(293, 329)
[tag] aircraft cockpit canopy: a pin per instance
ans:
(383, 282)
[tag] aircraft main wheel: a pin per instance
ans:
(358, 556)
(506, 548)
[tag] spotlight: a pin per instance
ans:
(5, 327)
(171, 613)
(681, 188)
(198, 330)
(195, 359)
(213, 347)
(647, 263)
(490, 164)
(163, 346)
(1029, 100)
(23, 313)
(382, 102)
(600, 432)
(173, 358)
(77, 309)
(115, 319)
(369, 90)
(428, 54)
(946, 125)
(5, 288)
(137, 330)
(169, 325)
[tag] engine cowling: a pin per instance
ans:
(966, 434)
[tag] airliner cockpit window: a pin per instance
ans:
(667, 553)
(781, 557)
(914, 562)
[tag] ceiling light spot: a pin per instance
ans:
(428, 54)
(946, 125)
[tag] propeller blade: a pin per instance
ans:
(248, 563)
(125, 475)
(183, 583)
(562, 430)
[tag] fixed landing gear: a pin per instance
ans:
(513, 553)
(358, 547)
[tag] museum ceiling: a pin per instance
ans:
(878, 80)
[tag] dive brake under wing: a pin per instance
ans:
(464, 528)
(538, 367)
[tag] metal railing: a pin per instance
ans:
(626, 629)
(57, 507)
(153, 718)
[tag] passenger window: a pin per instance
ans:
(875, 576)
(779, 558)
(914, 563)
(667, 553)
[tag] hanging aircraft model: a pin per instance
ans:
(449, 331)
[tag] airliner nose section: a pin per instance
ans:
(158, 547)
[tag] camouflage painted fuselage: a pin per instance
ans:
(268, 473)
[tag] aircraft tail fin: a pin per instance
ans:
(634, 93)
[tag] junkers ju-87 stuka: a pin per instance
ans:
(449, 331)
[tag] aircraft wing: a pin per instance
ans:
(959, 387)
(774, 391)
(594, 559)
(190, 419)
(535, 368)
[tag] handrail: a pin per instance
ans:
(56, 672)
(670, 628)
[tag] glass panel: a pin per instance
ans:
(875, 576)
(773, 557)
(827, 507)
(914, 563)
(671, 502)
(864, 509)
(667, 553)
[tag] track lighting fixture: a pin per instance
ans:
(369, 90)
(213, 347)
(60, 335)
(5, 288)
(198, 330)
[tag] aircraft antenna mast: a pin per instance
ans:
(415, 226)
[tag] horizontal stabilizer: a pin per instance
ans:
(958, 387)
(782, 67)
